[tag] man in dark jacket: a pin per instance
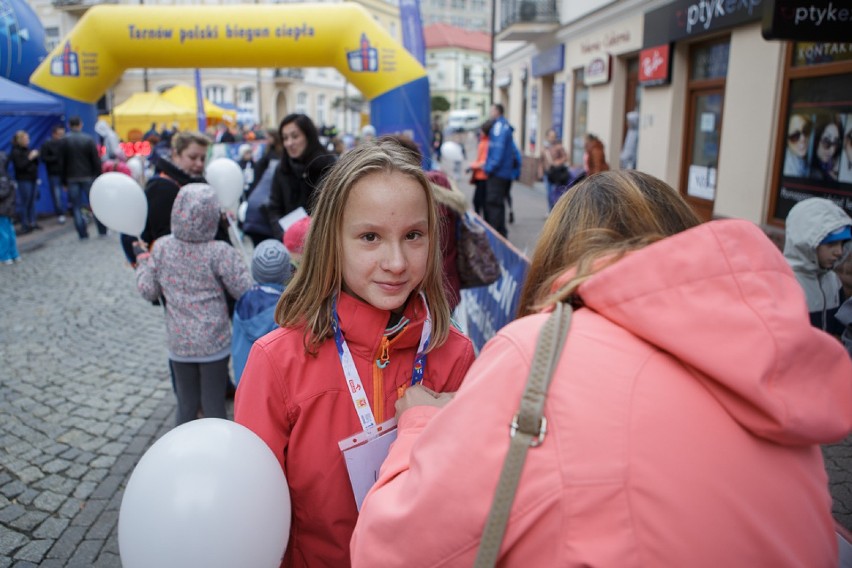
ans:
(81, 164)
(51, 155)
(502, 165)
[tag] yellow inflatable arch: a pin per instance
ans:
(110, 39)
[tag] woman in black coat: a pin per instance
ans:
(299, 172)
(25, 162)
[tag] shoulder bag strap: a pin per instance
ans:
(528, 429)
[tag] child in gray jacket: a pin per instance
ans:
(192, 271)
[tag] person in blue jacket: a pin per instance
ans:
(254, 313)
(502, 165)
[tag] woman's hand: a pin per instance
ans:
(418, 395)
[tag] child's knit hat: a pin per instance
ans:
(270, 263)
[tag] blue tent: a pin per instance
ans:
(22, 108)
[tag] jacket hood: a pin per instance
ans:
(721, 299)
(808, 223)
(195, 213)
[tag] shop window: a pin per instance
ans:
(814, 141)
(708, 69)
(580, 117)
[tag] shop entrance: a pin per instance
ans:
(708, 68)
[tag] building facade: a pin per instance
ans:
(723, 115)
(458, 62)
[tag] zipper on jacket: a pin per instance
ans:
(382, 360)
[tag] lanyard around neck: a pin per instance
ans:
(353, 381)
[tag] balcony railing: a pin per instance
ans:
(294, 73)
(520, 18)
(79, 6)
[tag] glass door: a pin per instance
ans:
(705, 101)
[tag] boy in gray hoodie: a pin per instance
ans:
(193, 271)
(817, 240)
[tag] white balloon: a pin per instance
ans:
(226, 178)
(137, 168)
(119, 203)
(209, 493)
(241, 211)
(451, 151)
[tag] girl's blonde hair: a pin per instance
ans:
(308, 298)
(595, 224)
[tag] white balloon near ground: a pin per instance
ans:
(119, 203)
(226, 178)
(209, 493)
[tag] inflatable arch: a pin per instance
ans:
(109, 39)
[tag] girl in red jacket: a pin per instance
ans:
(365, 318)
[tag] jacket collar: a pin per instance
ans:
(364, 325)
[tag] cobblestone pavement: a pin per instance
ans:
(84, 391)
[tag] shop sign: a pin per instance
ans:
(655, 65)
(597, 71)
(549, 61)
(807, 20)
(816, 53)
(694, 18)
(558, 108)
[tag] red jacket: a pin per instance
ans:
(300, 406)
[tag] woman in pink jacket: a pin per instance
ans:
(684, 417)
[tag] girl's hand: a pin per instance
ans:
(418, 395)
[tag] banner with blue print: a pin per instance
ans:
(483, 311)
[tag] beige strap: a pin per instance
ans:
(528, 428)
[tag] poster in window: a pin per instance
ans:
(817, 143)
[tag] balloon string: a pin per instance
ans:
(239, 239)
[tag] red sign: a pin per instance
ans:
(654, 65)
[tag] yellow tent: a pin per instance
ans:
(141, 109)
(184, 96)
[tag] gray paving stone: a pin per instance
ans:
(11, 512)
(10, 541)
(90, 512)
(51, 528)
(65, 547)
(103, 526)
(86, 553)
(49, 501)
(34, 551)
(29, 520)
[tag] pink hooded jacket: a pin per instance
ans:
(684, 419)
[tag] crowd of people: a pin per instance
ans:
(682, 405)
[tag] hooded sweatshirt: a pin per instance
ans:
(808, 223)
(683, 424)
(193, 271)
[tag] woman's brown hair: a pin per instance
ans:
(597, 157)
(308, 298)
(595, 224)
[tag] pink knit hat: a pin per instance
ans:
(294, 237)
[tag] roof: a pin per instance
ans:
(445, 35)
(20, 100)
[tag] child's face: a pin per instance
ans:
(828, 255)
(385, 239)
